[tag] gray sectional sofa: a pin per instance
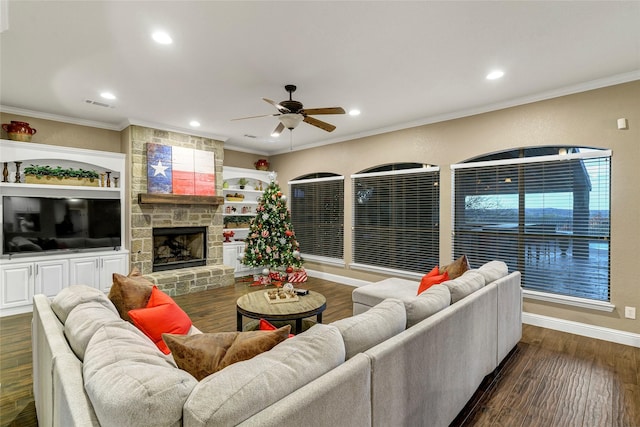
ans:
(92, 368)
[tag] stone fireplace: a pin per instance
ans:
(146, 217)
(179, 247)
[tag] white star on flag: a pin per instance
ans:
(159, 169)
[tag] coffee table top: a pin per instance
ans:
(254, 304)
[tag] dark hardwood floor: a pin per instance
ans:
(550, 379)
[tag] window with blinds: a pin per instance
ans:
(544, 214)
(317, 215)
(396, 219)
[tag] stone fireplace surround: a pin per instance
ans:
(145, 217)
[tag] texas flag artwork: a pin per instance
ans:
(179, 170)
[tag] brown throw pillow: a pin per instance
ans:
(130, 292)
(203, 354)
(456, 268)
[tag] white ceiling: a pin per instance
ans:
(401, 63)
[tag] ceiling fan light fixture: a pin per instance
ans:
(290, 120)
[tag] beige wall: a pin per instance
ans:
(584, 119)
(240, 159)
(68, 135)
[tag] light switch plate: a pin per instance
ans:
(630, 312)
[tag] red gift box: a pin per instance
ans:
(298, 276)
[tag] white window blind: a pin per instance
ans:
(396, 219)
(317, 215)
(546, 216)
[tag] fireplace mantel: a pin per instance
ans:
(178, 199)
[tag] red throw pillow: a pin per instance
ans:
(161, 316)
(428, 281)
(434, 272)
(265, 325)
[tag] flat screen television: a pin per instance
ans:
(49, 224)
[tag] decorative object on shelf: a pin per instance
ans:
(19, 131)
(59, 176)
(18, 172)
(108, 178)
(115, 182)
(235, 197)
(5, 173)
(225, 184)
(101, 180)
(227, 235)
(262, 165)
(242, 182)
(271, 241)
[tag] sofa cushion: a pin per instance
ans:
(493, 270)
(243, 389)
(161, 316)
(83, 321)
(456, 268)
(130, 382)
(393, 287)
(68, 298)
(465, 285)
(370, 328)
(203, 354)
(426, 304)
(130, 292)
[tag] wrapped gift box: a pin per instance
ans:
(298, 276)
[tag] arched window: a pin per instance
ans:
(396, 218)
(544, 211)
(317, 215)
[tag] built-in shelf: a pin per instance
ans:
(178, 199)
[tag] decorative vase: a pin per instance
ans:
(19, 131)
(262, 165)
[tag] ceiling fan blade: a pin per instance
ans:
(330, 110)
(278, 130)
(278, 106)
(319, 123)
(255, 117)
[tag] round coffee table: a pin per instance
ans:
(256, 306)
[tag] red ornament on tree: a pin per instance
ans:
(289, 269)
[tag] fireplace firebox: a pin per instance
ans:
(179, 247)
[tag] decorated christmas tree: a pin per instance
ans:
(271, 242)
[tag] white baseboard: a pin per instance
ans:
(591, 331)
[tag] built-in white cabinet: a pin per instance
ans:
(231, 253)
(97, 271)
(51, 276)
(17, 285)
(21, 280)
(242, 190)
(46, 269)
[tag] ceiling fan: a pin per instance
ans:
(292, 112)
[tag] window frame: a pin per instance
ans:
(435, 211)
(531, 293)
(337, 260)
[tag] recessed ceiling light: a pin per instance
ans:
(495, 75)
(194, 123)
(162, 37)
(107, 95)
(354, 112)
(275, 134)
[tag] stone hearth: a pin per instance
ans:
(146, 217)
